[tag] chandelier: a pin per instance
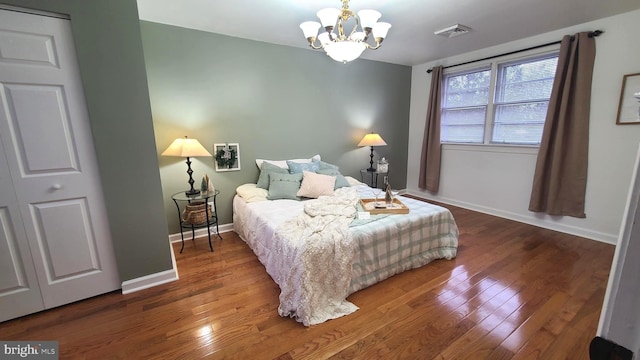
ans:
(341, 46)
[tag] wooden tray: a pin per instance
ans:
(398, 207)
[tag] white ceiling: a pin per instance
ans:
(410, 40)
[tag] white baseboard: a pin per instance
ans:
(150, 280)
(199, 233)
(166, 276)
(568, 229)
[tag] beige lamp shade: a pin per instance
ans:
(372, 140)
(185, 147)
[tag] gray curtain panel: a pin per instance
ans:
(430, 158)
(560, 178)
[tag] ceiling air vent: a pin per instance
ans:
(454, 30)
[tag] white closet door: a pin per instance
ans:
(19, 289)
(48, 144)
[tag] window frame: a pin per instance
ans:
(493, 65)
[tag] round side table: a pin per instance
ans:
(211, 214)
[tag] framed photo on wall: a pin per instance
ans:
(227, 156)
(629, 107)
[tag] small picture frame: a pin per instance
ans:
(629, 106)
(226, 156)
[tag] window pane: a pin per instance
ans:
(519, 97)
(468, 89)
(526, 81)
(463, 125)
(519, 123)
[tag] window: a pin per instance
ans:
(508, 110)
(464, 108)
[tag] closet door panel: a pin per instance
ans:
(39, 125)
(19, 288)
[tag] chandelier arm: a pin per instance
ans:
(355, 27)
(313, 45)
(341, 36)
(329, 30)
(367, 32)
(372, 47)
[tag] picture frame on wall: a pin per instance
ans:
(226, 156)
(629, 107)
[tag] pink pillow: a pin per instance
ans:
(314, 185)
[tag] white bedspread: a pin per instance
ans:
(313, 249)
(314, 269)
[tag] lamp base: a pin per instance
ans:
(371, 168)
(191, 191)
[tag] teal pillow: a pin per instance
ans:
(266, 169)
(324, 165)
(296, 167)
(284, 186)
(341, 181)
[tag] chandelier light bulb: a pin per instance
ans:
(368, 18)
(380, 30)
(310, 29)
(329, 16)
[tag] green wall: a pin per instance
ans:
(277, 102)
(109, 49)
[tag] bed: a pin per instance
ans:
(321, 250)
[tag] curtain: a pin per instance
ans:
(430, 158)
(560, 178)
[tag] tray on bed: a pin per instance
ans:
(396, 208)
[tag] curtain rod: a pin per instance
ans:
(591, 34)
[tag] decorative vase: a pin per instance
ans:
(204, 184)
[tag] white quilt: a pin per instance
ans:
(312, 269)
(316, 251)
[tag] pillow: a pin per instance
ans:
(314, 185)
(265, 171)
(283, 163)
(298, 167)
(324, 165)
(353, 182)
(341, 181)
(284, 186)
(251, 193)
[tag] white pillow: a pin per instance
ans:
(353, 182)
(314, 185)
(283, 163)
(251, 193)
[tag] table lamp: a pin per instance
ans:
(184, 147)
(372, 140)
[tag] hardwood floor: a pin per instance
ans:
(514, 292)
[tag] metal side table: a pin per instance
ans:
(211, 215)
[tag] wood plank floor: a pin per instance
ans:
(514, 292)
